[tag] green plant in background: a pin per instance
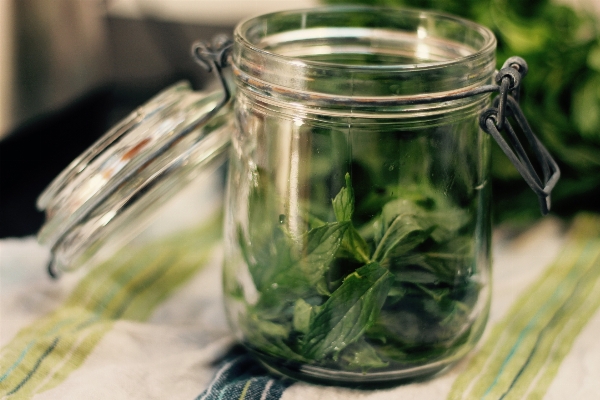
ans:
(560, 95)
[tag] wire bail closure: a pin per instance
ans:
(213, 57)
(494, 120)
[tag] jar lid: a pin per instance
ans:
(117, 184)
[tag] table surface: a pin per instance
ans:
(135, 329)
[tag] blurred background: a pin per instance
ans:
(70, 69)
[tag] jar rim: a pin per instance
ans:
(489, 37)
(268, 49)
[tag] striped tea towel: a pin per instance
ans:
(142, 325)
(150, 325)
(240, 377)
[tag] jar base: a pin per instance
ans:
(367, 380)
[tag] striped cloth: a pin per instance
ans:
(149, 324)
(241, 377)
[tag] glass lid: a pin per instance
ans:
(117, 184)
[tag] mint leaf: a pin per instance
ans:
(265, 259)
(302, 315)
(265, 246)
(268, 337)
(446, 222)
(284, 278)
(321, 244)
(404, 232)
(450, 263)
(343, 203)
(354, 245)
(343, 206)
(350, 310)
(361, 355)
(285, 288)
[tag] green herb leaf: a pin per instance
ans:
(445, 222)
(321, 245)
(265, 259)
(361, 355)
(302, 315)
(450, 262)
(343, 203)
(356, 246)
(268, 337)
(404, 233)
(350, 310)
(286, 287)
(343, 206)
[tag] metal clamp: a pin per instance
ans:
(495, 120)
(213, 57)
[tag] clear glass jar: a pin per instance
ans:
(357, 225)
(357, 218)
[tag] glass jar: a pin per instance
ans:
(357, 215)
(358, 226)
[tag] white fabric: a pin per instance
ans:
(172, 354)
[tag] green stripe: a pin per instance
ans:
(129, 286)
(524, 350)
(502, 338)
(245, 390)
(72, 355)
(558, 339)
(77, 313)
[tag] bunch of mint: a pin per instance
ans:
(398, 290)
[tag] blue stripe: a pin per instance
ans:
(532, 324)
(35, 367)
(235, 373)
(96, 316)
(16, 363)
(30, 346)
(559, 313)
